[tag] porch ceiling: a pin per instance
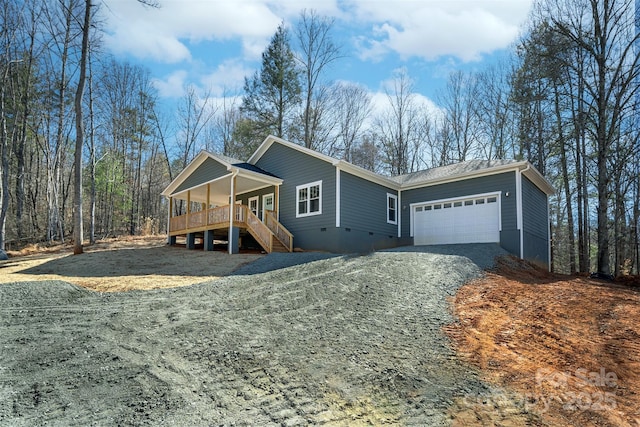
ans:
(221, 188)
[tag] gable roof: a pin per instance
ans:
(427, 177)
(232, 165)
(341, 164)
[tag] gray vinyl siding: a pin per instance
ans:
(535, 223)
(363, 215)
(208, 170)
(244, 197)
(504, 182)
(297, 168)
(348, 240)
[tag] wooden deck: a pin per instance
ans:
(270, 234)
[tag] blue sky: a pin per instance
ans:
(214, 44)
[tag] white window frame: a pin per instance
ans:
(395, 202)
(264, 205)
(255, 199)
(308, 187)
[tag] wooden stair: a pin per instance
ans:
(265, 235)
(278, 246)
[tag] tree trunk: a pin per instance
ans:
(77, 202)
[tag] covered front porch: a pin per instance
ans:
(203, 205)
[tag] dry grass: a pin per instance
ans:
(123, 264)
(569, 345)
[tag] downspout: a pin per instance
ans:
(169, 209)
(399, 214)
(338, 196)
(232, 210)
(519, 207)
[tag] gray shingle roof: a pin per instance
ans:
(444, 172)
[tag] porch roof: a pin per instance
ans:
(248, 178)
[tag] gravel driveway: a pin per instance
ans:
(343, 340)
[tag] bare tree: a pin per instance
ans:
(194, 114)
(350, 108)
(8, 32)
(399, 127)
(318, 51)
(605, 32)
(494, 112)
(458, 101)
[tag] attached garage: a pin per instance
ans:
(469, 219)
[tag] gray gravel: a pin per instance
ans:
(333, 339)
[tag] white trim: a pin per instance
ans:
(253, 190)
(338, 197)
(231, 214)
(277, 190)
(257, 200)
(497, 194)
(534, 176)
(367, 174)
(399, 214)
(519, 211)
(269, 180)
(395, 200)
(345, 166)
(269, 140)
(264, 198)
(308, 186)
(198, 185)
(200, 159)
(169, 203)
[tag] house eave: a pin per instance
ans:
(530, 172)
(366, 174)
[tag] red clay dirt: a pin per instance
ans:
(569, 346)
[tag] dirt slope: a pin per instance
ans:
(570, 346)
(340, 341)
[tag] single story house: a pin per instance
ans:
(287, 196)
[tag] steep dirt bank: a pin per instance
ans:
(570, 346)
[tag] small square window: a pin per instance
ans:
(468, 202)
(479, 201)
(492, 199)
(419, 209)
(457, 204)
(447, 205)
(437, 206)
(428, 208)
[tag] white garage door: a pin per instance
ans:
(473, 219)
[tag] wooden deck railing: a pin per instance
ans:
(278, 230)
(218, 217)
(259, 231)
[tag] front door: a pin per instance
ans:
(253, 205)
(267, 204)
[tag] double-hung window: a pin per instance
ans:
(392, 208)
(309, 199)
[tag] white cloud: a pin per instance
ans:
(162, 34)
(433, 29)
(227, 77)
(172, 86)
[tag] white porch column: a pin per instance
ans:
(169, 212)
(232, 211)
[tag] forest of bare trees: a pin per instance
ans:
(566, 99)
